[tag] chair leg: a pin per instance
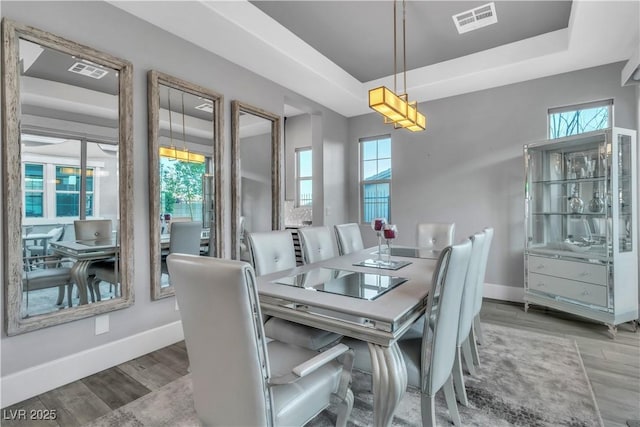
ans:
(70, 295)
(474, 346)
(345, 409)
(458, 379)
(450, 397)
(96, 288)
(478, 327)
(428, 406)
(468, 358)
(60, 295)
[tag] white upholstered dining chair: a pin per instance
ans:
(477, 327)
(435, 235)
(238, 378)
(465, 340)
(349, 238)
(430, 359)
(318, 244)
(273, 251)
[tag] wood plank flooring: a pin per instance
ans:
(613, 367)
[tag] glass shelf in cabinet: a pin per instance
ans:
(571, 181)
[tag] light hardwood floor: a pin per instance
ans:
(613, 367)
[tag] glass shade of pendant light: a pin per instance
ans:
(174, 153)
(397, 109)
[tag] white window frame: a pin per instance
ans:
(378, 181)
(299, 178)
(578, 107)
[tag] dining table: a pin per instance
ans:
(84, 253)
(360, 296)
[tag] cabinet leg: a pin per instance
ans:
(634, 325)
(526, 307)
(613, 330)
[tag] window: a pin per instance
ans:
(68, 191)
(581, 118)
(375, 178)
(181, 186)
(33, 190)
(304, 180)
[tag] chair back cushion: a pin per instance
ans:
(482, 269)
(92, 229)
(438, 353)
(271, 251)
(185, 238)
(349, 238)
(436, 236)
(317, 244)
(468, 305)
(223, 332)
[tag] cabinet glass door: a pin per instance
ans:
(625, 198)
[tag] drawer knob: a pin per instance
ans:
(584, 293)
(584, 274)
(540, 285)
(540, 266)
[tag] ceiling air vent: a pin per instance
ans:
(478, 17)
(206, 107)
(88, 70)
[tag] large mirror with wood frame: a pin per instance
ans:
(67, 180)
(185, 173)
(256, 151)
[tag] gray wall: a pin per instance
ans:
(109, 29)
(467, 166)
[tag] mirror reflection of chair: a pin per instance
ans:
(349, 238)
(435, 236)
(185, 238)
(50, 273)
(41, 246)
(318, 244)
(273, 251)
(239, 378)
(92, 229)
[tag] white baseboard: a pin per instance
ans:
(36, 380)
(504, 293)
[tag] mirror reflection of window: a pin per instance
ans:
(304, 177)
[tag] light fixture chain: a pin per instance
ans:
(184, 135)
(404, 45)
(170, 121)
(395, 44)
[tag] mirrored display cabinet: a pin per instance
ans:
(581, 218)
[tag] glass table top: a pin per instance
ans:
(343, 282)
(411, 252)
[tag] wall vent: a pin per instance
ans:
(207, 107)
(475, 18)
(88, 70)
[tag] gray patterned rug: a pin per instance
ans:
(527, 379)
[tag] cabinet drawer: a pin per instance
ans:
(581, 271)
(579, 291)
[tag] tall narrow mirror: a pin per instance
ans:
(67, 179)
(256, 171)
(185, 175)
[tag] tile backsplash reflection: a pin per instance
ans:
(296, 216)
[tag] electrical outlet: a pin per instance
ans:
(102, 324)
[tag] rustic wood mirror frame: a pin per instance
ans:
(12, 179)
(154, 80)
(276, 173)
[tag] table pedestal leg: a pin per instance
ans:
(79, 274)
(389, 374)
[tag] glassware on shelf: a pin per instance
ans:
(390, 233)
(378, 224)
(596, 204)
(576, 204)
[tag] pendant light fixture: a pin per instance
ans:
(172, 152)
(397, 109)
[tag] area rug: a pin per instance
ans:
(526, 379)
